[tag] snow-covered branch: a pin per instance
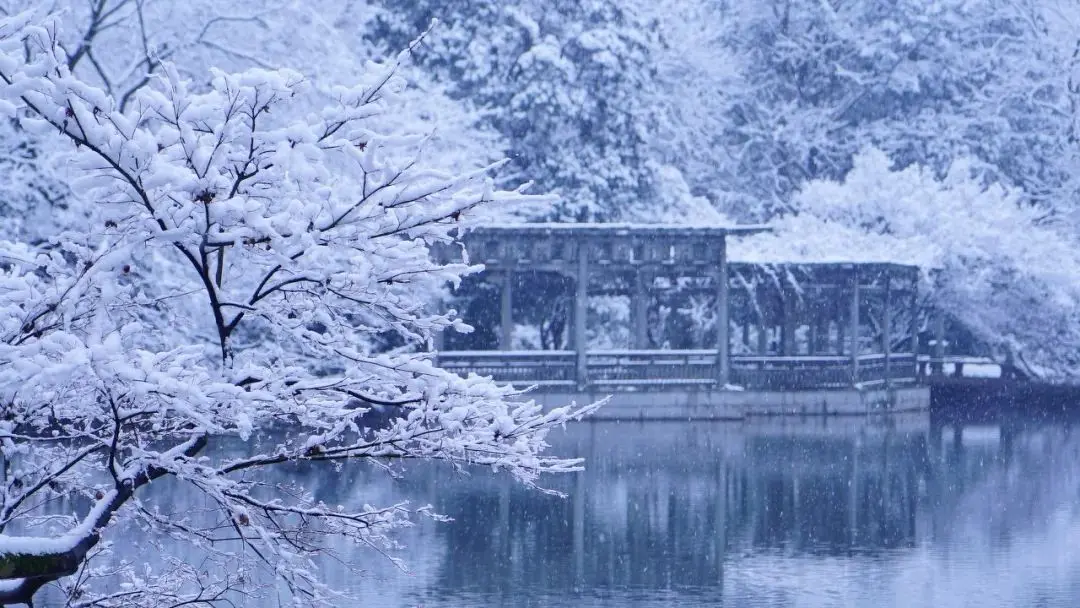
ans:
(239, 267)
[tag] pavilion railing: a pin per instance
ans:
(554, 368)
(644, 369)
(877, 369)
(792, 372)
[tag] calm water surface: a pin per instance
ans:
(804, 514)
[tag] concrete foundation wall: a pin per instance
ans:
(706, 404)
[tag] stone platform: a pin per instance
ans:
(711, 404)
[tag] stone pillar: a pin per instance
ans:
(855, 295)
(506, 311)
(723, 337)
(581, 307)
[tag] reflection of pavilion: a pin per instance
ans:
(667, 504)
(818, 485)
(780, 512)
(832, 492)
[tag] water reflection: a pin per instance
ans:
(819, 512)
(665, 507)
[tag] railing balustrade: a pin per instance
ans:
(651, 367)
(549, 368)
(644, 369)
(792, 372)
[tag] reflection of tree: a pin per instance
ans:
(1002, 486)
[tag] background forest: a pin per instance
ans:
(940, 133)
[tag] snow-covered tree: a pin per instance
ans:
(563, 82)
(234, 265)
(120, 45)
(990, 261)
(926, 82)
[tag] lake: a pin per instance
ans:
(800, 513)
(825, 512)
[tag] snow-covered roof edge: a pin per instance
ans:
(622, 228)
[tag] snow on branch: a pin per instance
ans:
(246, 269)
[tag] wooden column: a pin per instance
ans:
(571, 317)
(639, 313)
(937, 360)
(841, 335)
(746, 330)
(506, 311)
(840, 318)
(787, 330)
(581, 307)
(854, 325)
(813, 316)
(762, 334)
(915, 322)
(723, 337)
(886, 334)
